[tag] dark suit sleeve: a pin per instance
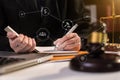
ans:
(77, 12)
(4, 43)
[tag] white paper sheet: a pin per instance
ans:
(51, 50)
(44, 48)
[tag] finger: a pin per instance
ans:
(29, 45)
(68, 42)
(69, 36)
(23, 45)
(16, 41)
(34, 42)
(73, 41)
(75, 46)
(57, 41)
(33, 45)
(65, 38)
(11, 35)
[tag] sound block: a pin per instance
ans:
(103, 63)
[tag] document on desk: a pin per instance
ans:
(51, 50)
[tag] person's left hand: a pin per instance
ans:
(68, 42)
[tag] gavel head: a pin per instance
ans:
(96, 42)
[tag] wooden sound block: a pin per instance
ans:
(103, 63)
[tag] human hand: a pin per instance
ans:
(21, 43)
(68, 42)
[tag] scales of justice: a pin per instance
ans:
(97, 60)
(114, 45)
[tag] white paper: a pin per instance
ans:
(51, 50)
(44, 48)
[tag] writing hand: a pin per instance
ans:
(68, 42)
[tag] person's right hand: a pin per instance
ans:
(21, 43)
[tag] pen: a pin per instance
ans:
(70, 31)
(9, 29)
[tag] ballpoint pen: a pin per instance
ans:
(72, 29)
(9, 29)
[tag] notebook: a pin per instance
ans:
(10, 61)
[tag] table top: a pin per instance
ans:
(57, 71)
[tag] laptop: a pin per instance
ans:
(10, 61)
